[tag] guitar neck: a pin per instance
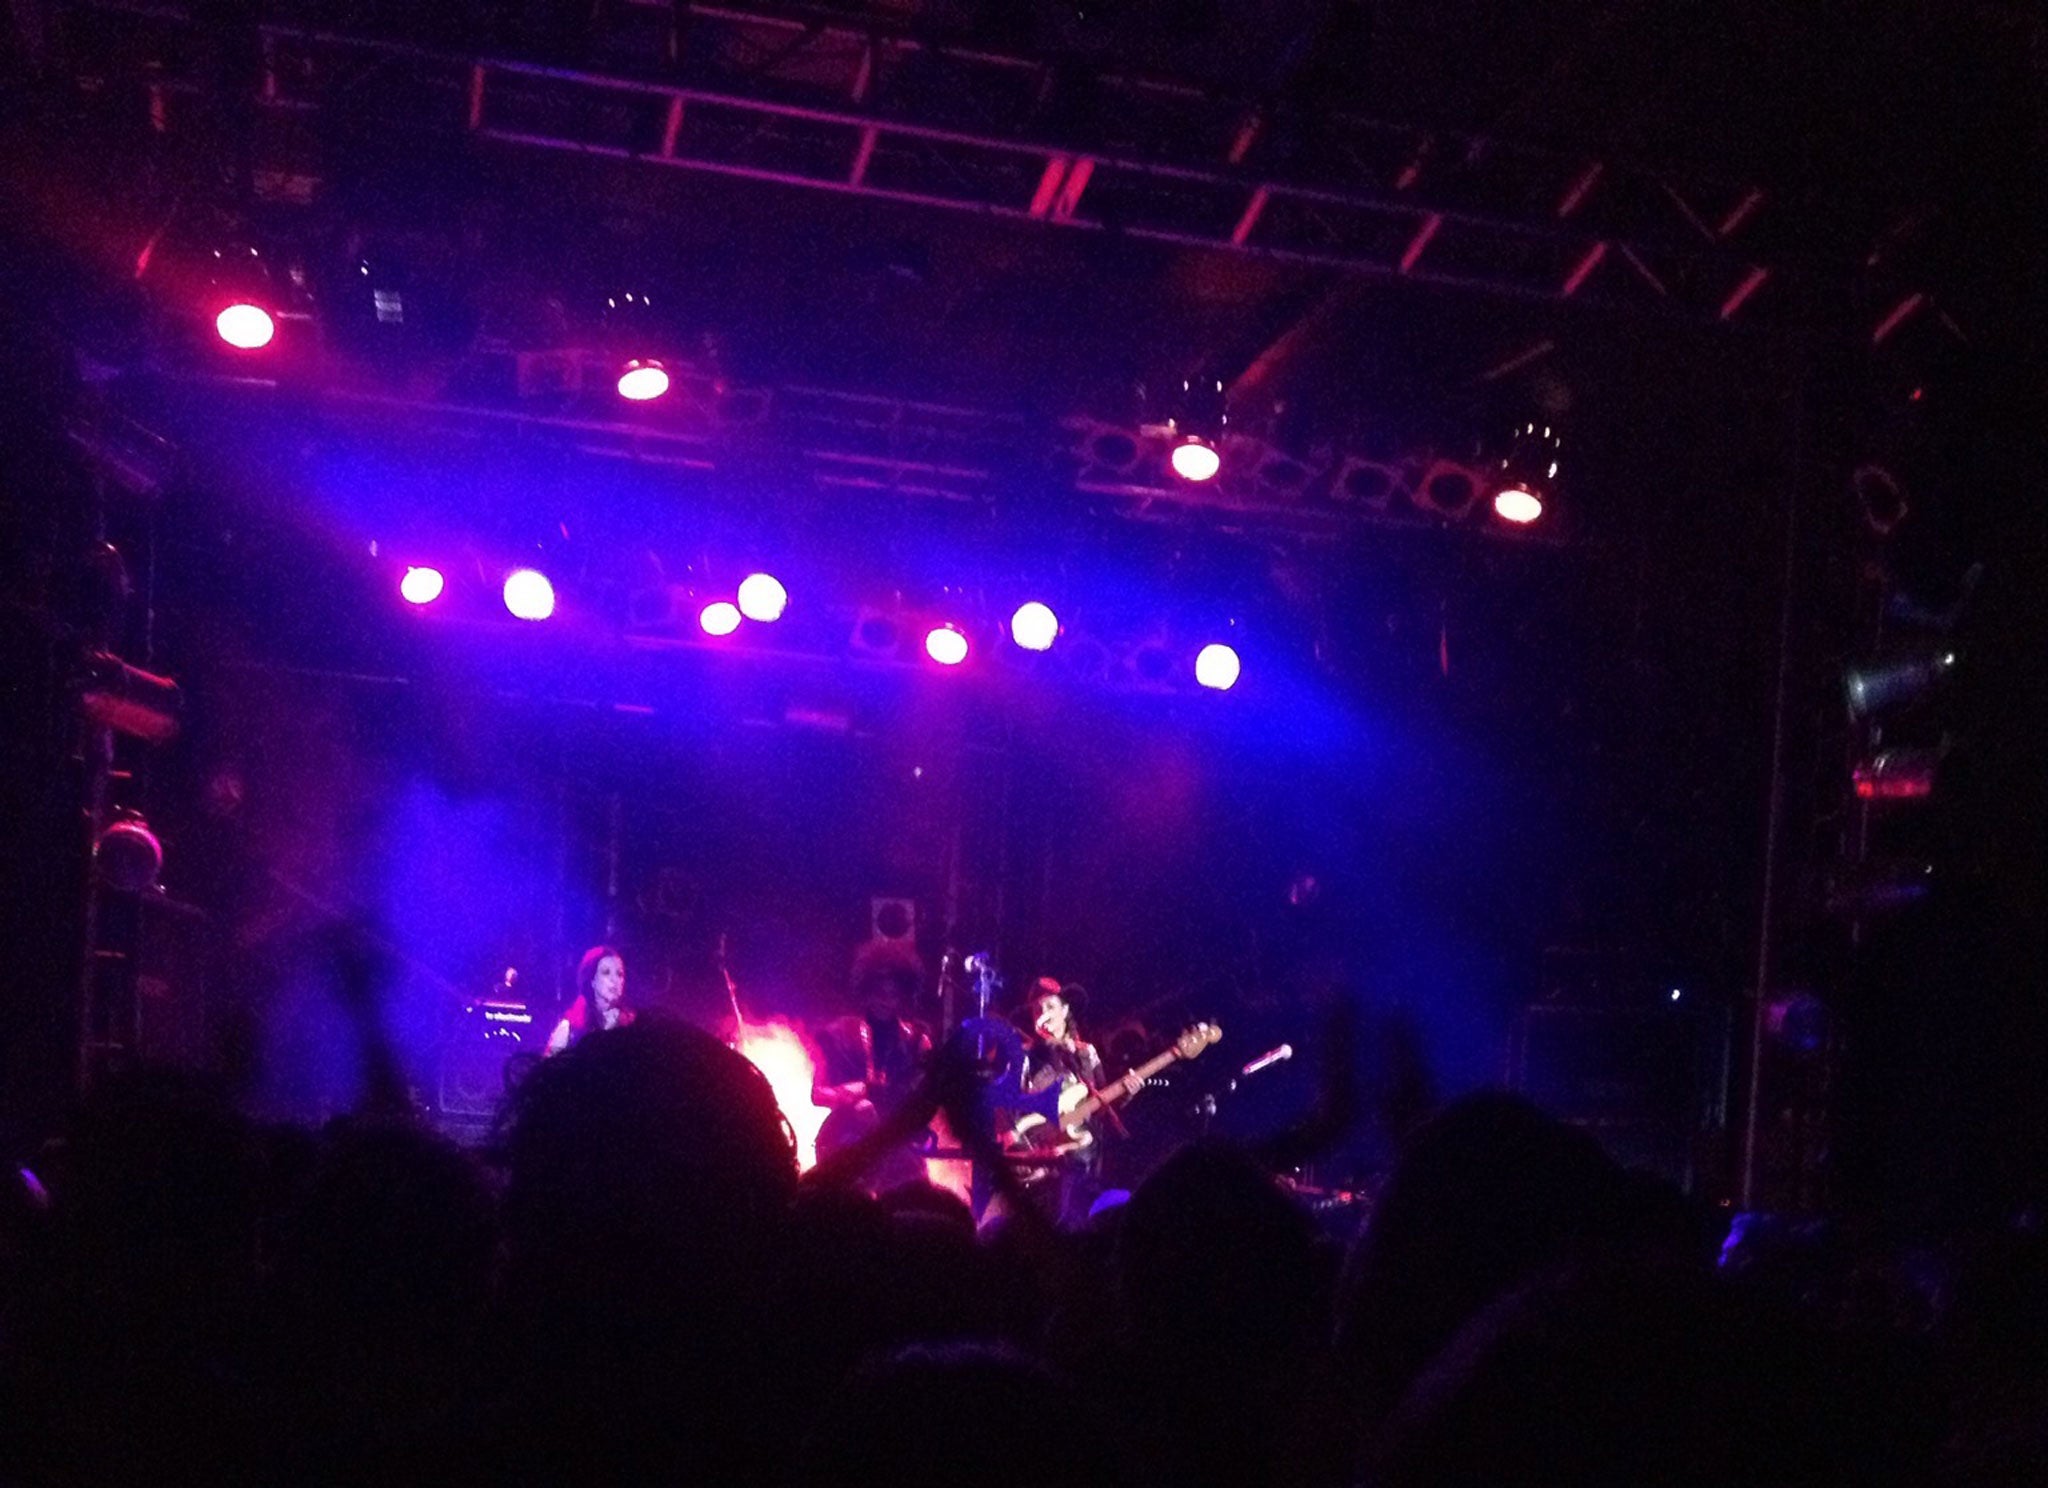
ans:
(1143, 1072)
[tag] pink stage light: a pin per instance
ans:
(643, 381)
(421, 585)
(245, 327)
(777, 1051)
(720, 618)
(1195, 459)
(945, 645)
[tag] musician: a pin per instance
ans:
(1058, 1054)
(600, 999)
(867, 1061)
(874, 1054)
(1059, 1057)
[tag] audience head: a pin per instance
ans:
(1620, 1374)
(937, 1416)
(1216, 1261)
(1485, 1196)
(654, 1154)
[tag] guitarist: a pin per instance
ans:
(1058, 1054)
(1059, 1057)
(866, 1063)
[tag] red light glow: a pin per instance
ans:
(1898, 775)
(945, 645)
(777, 1050)
(720, 618)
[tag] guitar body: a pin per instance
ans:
(1040, 1134)
(1077, 1103)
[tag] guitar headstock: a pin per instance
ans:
(1195, 1038)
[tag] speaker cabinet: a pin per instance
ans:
(893, 920)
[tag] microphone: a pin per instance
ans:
(1272, 1056)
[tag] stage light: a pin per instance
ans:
(1882, 498)
(1217, 666)
(1528, 473)
(945, 645)
(240, 292)
(1369, 482)
(1897, 775)
(643, 381)
(1195, 459)
(1517, 504)
(1152, 664)
(762, 597)
(777, 1050)
(529, 595)
(1879, 888)
(1034, 627)
(1448, 489)
(1115, 450)
(720, 618)
(876, 633)
(129, 700)
(1894, 681)
(421, 585)
(128, 856)
(1197, 428)
(244, 326)
(1799, 1021)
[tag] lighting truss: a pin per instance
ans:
(845, 106)
(857, 443)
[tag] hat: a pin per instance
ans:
(1072, 993)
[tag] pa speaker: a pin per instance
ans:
(893, 920)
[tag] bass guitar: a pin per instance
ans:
(1078, 1103)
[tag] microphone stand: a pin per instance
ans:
(732, 995)
(946, 994)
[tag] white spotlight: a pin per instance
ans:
(529, 595)
(1195, 459)
(1034, 627)
(762, 597)
(1217, 666)
(1517, 504)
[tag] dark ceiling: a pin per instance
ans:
(1896, 149)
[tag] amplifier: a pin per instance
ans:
(489, 1036)
(1648, 1082)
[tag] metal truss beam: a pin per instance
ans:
(852, 444)
(826, 105)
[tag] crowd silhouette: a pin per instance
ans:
(634, 1284)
